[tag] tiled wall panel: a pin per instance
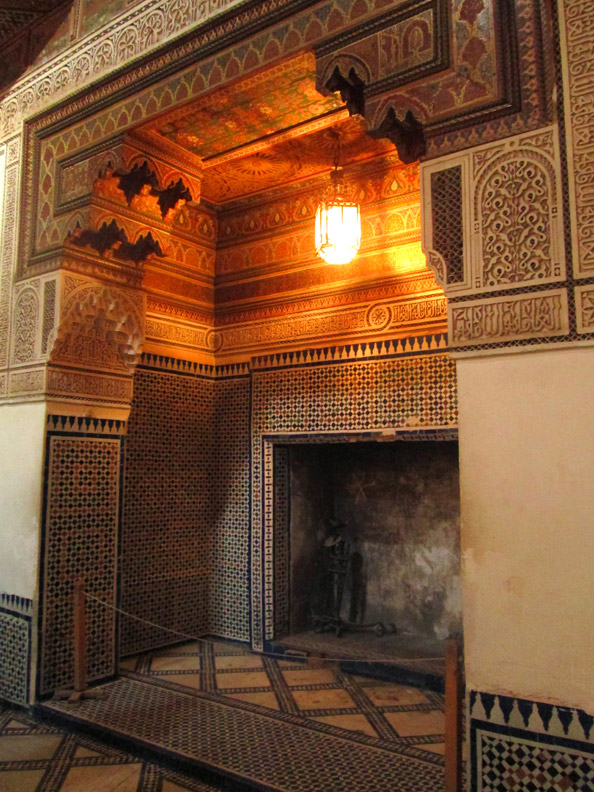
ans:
(229, 595)
(15, 648)
(169, 497)
(402, 393)
(80, 529)
(519, 744)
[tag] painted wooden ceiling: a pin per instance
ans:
(263, 132)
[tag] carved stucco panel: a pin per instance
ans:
(512, 221)
(513, 318)
(100, 328)
(25, 326)
(584, 309)
(8, 235)
(517, 215)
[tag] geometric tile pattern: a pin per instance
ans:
(281, 751)
(527, 745)
(15, 640)
(80, 540)
(548, 720)
(404, 393)
(229, 589)
(193, 427)
(282, 540)
(329, 700)
(508, 764)
(168, 502)
(36, 757)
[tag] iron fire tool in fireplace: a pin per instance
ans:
(338, 557)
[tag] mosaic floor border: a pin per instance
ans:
(401, 746)
(280, 751)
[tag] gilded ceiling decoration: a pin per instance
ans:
(265, 131)
(290, 161)
(278, 98)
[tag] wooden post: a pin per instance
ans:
(453, 716)
(80, 638)
(80, 691)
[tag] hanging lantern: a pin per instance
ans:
(338, 220)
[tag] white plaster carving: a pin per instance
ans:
(577, 45)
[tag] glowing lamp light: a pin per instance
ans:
(338, 231)
(338, 222)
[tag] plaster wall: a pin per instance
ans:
(22, 430)
(526, 466)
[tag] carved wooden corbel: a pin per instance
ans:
(169, 197)
(351, 90)
(102, 240)
(407, 135)
(131, 183)
(141, 178)
(111, 241)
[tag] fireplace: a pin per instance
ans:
(396, 507)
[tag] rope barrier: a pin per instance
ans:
(278, 655)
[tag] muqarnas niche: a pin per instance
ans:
(398, 506)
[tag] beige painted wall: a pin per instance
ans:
(22, 429)
(527, 500)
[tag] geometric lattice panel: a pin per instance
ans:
(282, 525)
(229, 592)
(15, 634)
(168, 502)
(526, 766)
(80, 540)
(446, 208)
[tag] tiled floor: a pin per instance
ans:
(323, 695)
(35, 757)
(276, 723)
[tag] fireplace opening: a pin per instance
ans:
(373, 546)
